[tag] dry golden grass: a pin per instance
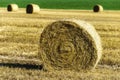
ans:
(19, 37)
(25, 74)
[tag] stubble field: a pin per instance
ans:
(19, 39)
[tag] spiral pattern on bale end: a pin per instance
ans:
(12, 7)
(70, 45)
(32, 8)
(97, 8)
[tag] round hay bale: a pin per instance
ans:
(97, 8)
(32, 8)
(70, 45)
(12, 7)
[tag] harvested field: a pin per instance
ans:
(19, 38)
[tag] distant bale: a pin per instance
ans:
(97, 8)
(12, 7)
(32, 8)
(70, 45)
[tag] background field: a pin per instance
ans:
(66, 4)
(20, 34)
(19, 39)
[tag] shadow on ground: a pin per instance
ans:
(18, 65)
